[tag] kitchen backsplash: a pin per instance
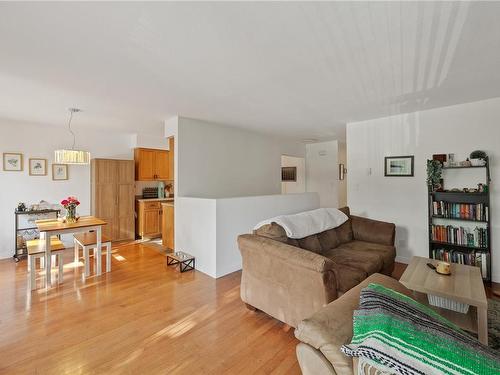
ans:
(139, 185)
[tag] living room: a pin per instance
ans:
(313, 158)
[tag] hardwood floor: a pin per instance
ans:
(140, 318)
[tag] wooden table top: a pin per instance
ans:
(54, 225)
(465, 283)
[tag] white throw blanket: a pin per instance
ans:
(307, 223)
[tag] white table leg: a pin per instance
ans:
(48, 262)
(99, 250)
(108, 257)
(77, 251)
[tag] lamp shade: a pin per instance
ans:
(71, 157)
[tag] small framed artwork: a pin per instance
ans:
(38, 167)
(12, 162)
(398, 166)
(59, 172)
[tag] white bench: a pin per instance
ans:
(88, 241)
(36, 250)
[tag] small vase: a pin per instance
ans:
(71, 215)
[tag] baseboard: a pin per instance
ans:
(404, 260)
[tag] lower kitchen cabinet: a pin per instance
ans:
(149, 219)
(168, 225)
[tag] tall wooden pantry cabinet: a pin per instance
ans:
(113, 196)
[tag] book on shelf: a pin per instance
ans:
(475, 258)
(478, 237)
(468, 211)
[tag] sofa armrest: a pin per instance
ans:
(286, 282)
(331, 327)
(373, 230)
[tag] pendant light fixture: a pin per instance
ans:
(72, 156)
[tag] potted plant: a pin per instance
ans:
(434, 171)
(70, 205)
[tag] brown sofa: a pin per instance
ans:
(323, 333)
(291, 279)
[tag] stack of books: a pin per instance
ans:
(478, 259)
(460, 236)
(449, 210)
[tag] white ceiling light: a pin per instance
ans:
(72, 156)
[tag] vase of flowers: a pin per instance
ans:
(70, 205)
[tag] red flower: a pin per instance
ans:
(64, 202)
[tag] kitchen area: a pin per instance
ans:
(135, 197)
(154, 205)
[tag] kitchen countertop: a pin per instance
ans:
(155, 199)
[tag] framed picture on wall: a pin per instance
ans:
(38, 167)
(398, 166)
(59, 172)
(12, 161)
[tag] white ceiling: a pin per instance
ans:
(296, 69)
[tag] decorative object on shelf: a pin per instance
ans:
(478, 154)
(442, 158)
(70, 205)
(65, 156)
(38, 167)
(342, 172)
(12, 162)
(398, 166)
(21, 207)
(59, 172)
(477, 162)
(434, 172)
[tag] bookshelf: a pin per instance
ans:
(459, 224)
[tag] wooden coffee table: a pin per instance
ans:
(464, 285)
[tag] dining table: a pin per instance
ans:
(49, 228)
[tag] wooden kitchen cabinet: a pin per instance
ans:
(149, 219)
(112, 197)
(151, 164)
(168, 225)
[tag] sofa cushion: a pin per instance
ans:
(272, 231)
(365, 261)
(385, 252)
(331, 327)
(329, 239)
(310, 243)
(348, 277)
(344, 232)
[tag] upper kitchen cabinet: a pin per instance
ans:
(151, 164)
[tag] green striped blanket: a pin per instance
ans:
(402, 336)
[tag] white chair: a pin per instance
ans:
(36, 250)
(88, 241)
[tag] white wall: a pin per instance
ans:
(322, 172)
(40, 141)
(216, 161)
(208, 228)
(456, 129)
(156, 141)
(298, 186)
